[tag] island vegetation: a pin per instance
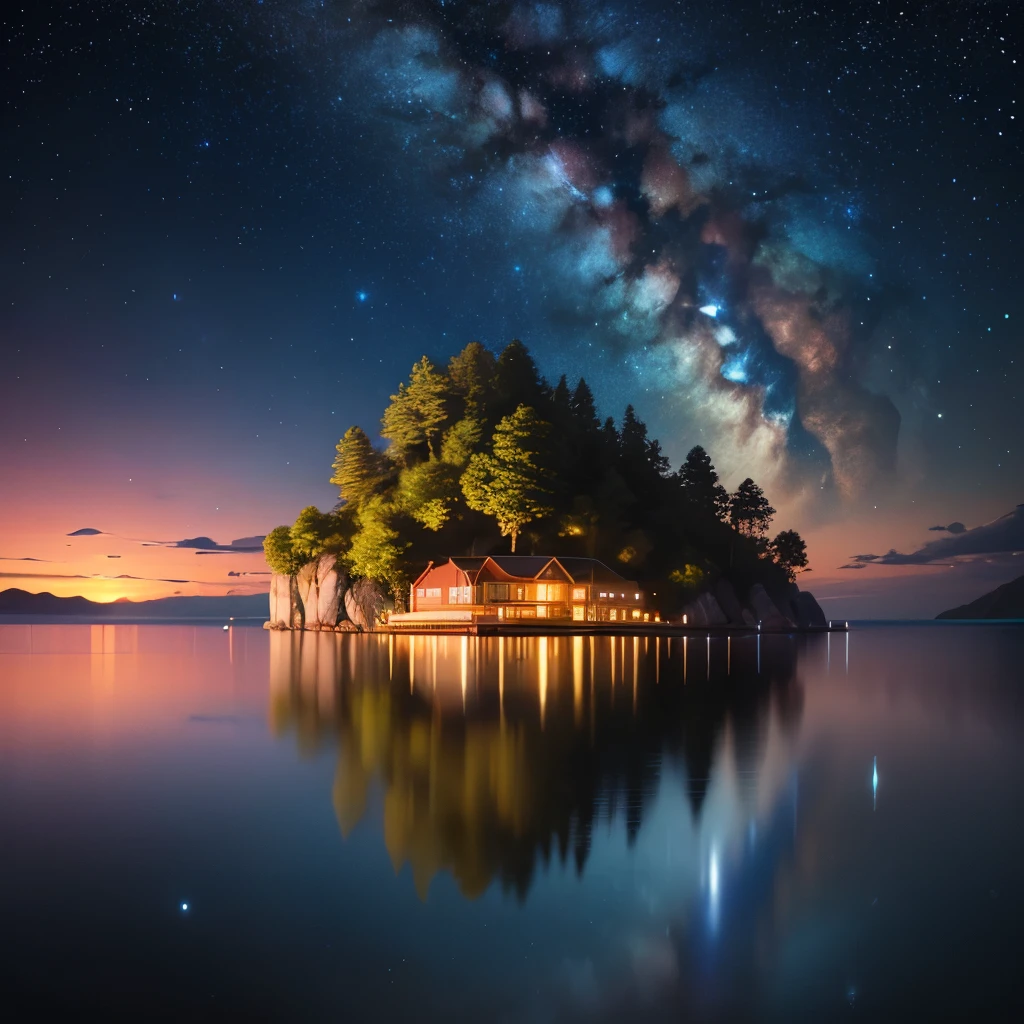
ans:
(484, 456)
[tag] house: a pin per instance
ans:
(514, 587)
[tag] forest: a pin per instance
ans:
(484, 456)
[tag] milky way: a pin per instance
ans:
(677, 219)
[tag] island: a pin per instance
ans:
(529, 500)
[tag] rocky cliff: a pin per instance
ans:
(789, 609)
(321, 597)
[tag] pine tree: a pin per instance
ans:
(471, 373)
(749, 510)
(517, 381)
(510, 482)
(417, 413)
(583, 407)
(358, 469)
(701, 488)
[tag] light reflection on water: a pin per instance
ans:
(512, 829)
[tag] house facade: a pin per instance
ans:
(516, 587)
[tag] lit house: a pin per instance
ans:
(511, 587)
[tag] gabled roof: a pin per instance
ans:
(590, 570)
(536, 567)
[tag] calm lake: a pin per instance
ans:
(203, 824)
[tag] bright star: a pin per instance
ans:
(362, 296)
(184, 906)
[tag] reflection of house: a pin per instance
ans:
(511, 587)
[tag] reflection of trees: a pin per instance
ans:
(492, 751)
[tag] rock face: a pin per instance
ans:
(765, 610)
(365, 603)
(320, 586)
(285, 605)
(704, 610)
(727, 600)
(809, 613)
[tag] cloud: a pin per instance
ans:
(202, 545)
(1003, 536)
(206, 545)
(23, 559)
(952, 528)
(233, 573)
(101, 576)
(854, 565)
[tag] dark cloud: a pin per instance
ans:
(23, 559)
(87, 531)
(952, 528)
(206, 545)
(1003, 536)
(854, 565)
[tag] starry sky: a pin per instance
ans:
(786, 231)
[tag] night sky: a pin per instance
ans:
(790, 232)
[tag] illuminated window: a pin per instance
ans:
(434, 592)
(577, 612)
(613, 614)
(637, 596)
(636, 613)
(419, 592)
(542, 591)
(603, 594)
(579, 593)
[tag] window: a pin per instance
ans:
(613, 614)
(636, 596)
(579, 593)
(636, 613)
(433, 592)
(542, 591)
(577, 612)
(497, 591)
(603, 594)
(419, 592)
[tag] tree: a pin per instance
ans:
(428, 490)
(416, 414)
(583, 407)
(471, 373)
(700, 485)
(749, 510)
(517, 381)
(378, 549)
(278, 551)
(460, 440)
(511, 482)
(311, 534)
(358, 470)
(790, 551)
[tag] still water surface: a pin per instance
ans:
(200, 824)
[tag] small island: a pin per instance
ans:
(543, 515)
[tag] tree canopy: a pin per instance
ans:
(487, 450)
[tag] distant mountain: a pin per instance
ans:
(20, 602)
(1005, 602)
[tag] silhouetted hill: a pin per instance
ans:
(1005, 602)
(20, 602)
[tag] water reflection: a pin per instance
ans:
(496, 754)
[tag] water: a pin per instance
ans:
(200, 824)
